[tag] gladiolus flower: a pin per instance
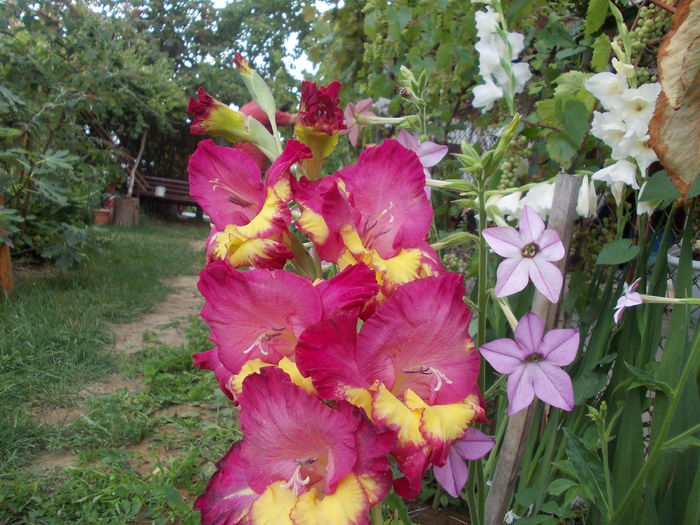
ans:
(215, 118)
(319, 122)
(412, 367)
(252, 219)
(257, 316)
(617, 175)
(529, 255)
(629, 297)
(301, 462)
(453, 475)
(533, 364)
(374, 212)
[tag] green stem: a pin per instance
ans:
(682, 435)
(659, 444)
(654, 299)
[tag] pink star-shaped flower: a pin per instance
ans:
(429, 153)
(353, 114)
(533, 364)
(629, 297)
(529, 255)
(454, 473)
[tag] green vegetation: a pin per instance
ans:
(136, 459)
(54, 334)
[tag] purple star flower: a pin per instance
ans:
(533, 364)
(353, 118)
(454, 473)
(629, 297)
(529, 255)
(428, 152)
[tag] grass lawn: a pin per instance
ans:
(132, 457)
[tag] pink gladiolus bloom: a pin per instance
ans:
(353, 115)
(529, 255)
(251, 217)
(454, 474)
(533, 364)
(300, 461)
(629, 297)
(256, 316)
(374, 212)
(412, 368)
(429, 153)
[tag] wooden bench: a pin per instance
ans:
(176, 191)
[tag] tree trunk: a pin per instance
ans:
(126, 211)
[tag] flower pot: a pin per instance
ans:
(103, 216)
(674, 253)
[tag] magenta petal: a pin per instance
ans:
(550, 246)
(453, 474)
(520, 390)
(504, 240)
(511, 276)
(559, 347)
(327, 352)
(386, 188)
(424, 326)
(531, 225)
(553, 385)
(293, 152)
(546, 277)
(528, 333)
(504, 355)
(285, 426)
(227, 497)
(348, 290)
(226, 183)
(210, 361)
(257, 313)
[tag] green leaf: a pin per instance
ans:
(588, 385)
(659, 188)
(570, 83)
(648, 380)
(617, 252)
(51, 191)
(559, 486)
(573, 116)
(588, 468)
(601, 53)
(560, 148)
(595, 16)
(9, 132)
(371, 24)
(683, 444)
(395, 502)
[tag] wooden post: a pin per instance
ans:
(511, 451)
(6, 281)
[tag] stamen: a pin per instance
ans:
(257, 343)
(427, 370)
(233, 196)
(534, 358)
(267, 336)
(530, 250)
(295, 482)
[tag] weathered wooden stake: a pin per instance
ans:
(511, 451)
(6, 281)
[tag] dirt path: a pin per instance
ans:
(166, 323)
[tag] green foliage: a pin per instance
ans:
(54, 329)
